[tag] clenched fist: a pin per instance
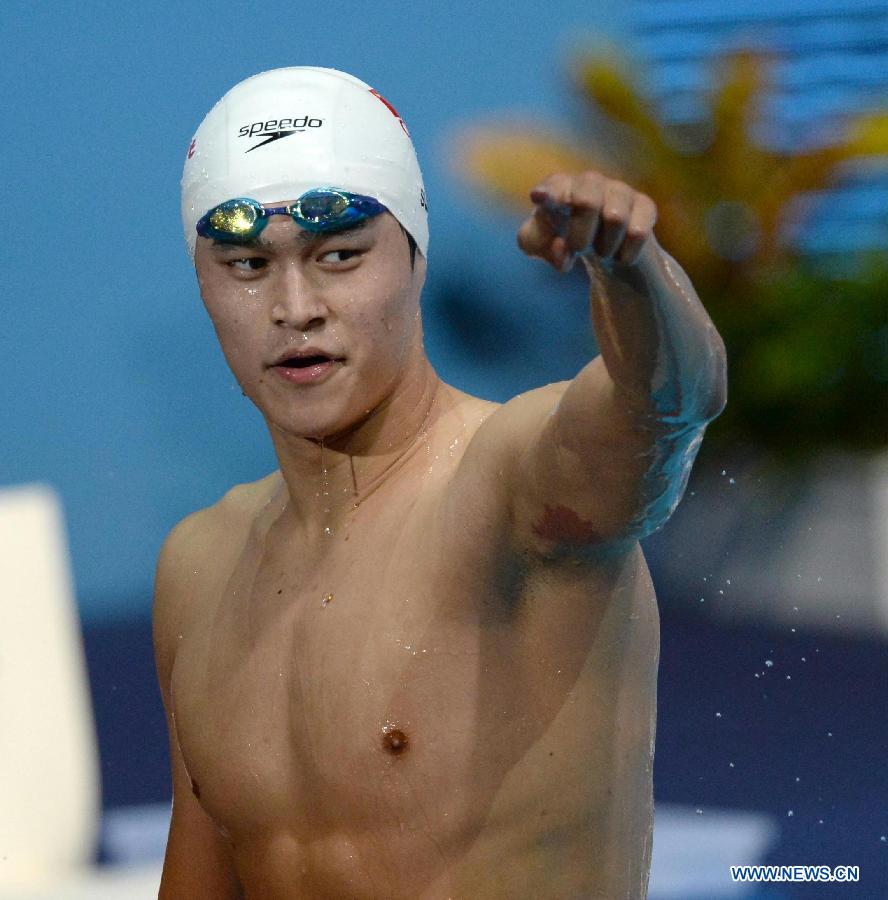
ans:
(587, 215)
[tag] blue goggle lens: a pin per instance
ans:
(324, 209)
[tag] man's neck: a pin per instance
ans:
(326, 479)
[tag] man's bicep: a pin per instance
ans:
(198, 860)
(581, 464)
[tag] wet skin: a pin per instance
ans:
(385, 676)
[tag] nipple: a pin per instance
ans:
(394, 740)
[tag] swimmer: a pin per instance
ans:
(419, 659)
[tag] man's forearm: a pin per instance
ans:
(656, 339)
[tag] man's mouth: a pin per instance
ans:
(304, 362)
(307, 366)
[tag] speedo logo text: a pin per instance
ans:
(275, 129)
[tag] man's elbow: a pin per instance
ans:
(712, 394)
(719, 392)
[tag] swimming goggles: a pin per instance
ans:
(318, 210)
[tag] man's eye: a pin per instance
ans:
(339, 256)
(248, 263)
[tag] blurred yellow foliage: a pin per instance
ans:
(722, 196)
(808, 355)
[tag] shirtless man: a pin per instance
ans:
(419, 660)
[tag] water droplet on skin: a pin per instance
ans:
(327, 599)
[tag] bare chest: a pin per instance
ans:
(313, 676)
(402, 688)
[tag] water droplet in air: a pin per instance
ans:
(718, 715)
(769, 663)
(699, 812)
(789, 812)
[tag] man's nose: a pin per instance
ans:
(297, 301)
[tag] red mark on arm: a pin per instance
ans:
(563, 526)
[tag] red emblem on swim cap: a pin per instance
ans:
(391, 109)
(191, 147)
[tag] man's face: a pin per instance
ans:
(351, 296)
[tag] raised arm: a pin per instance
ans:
(604, 459)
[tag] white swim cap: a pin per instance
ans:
(285, 131)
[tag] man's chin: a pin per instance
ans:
(321, 428)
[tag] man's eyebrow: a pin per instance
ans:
(303, 237)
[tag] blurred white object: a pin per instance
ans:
(136, 835)
(137, 883)
(761, 542)
(49, 778)
(693, 851)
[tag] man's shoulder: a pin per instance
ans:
(201, 547)
(203, 534)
